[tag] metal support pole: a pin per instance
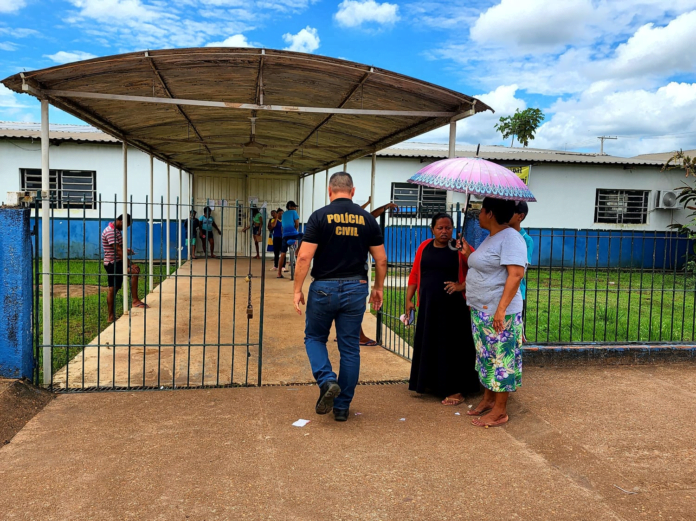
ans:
(302, 182)
(326, 189)
(126, 280)
(345, 166)
(151, 259)
(179, 212)
(452, 153)
(46, 243)
(372, 182)
(189, 232)
(167, 243)
(314, 183)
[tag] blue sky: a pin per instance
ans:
(622, 68)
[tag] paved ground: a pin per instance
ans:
(190, 310)
(576, 435)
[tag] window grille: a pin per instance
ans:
(67, 187)
(418, 200)
(621, 206)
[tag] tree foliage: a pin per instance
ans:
(687, 193)
(521, 125)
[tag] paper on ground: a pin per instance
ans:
(300, 423)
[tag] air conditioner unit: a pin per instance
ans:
(666, 200)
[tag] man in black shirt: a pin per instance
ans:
(338, 238)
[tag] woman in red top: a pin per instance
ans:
(444, 355)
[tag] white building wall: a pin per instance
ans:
(565, 193)
(107, 161)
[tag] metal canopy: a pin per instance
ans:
(246, 110)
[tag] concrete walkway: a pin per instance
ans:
(576, 434)
(176, 341)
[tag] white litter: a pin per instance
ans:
(402, 420)
(300, 423)
(457, 414)
(358, 413)
(470, 406)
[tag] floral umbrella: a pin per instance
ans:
(473, 176)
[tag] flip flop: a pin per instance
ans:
(141, 305)
(453, 404)
(474, 412)
(498, 423)
(369, 343)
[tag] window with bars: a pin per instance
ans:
(68, 187)
(420, 201)
(621, 206)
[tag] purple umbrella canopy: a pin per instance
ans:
(475, 176)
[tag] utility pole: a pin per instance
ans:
(601, 146)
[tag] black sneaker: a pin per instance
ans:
(340, 415)
(328, 392)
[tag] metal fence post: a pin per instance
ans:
(378, 333)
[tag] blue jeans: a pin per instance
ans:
(343, 302)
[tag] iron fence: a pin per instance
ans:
(203, 326)
(617, 286)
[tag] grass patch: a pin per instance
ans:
(587, 305)
(77, 320)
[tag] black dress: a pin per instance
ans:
(443, 353)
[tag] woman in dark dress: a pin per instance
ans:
(444, 355)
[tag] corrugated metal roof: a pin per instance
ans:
(213, 109)
(510, 154)
(77, 133)
(664, 156)
(86, 133)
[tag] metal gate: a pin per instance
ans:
(203, 326)
(583, 286)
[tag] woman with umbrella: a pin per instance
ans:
(443, 360)
(493, 279)
(496, 269)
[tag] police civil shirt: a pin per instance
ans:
(343, 233)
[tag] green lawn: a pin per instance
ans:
(78, 320)
(591, 306)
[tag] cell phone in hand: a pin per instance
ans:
(408, 320)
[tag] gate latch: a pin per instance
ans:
(250, 311)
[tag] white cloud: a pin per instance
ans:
(533, 23)
(645, 120)
(354, 13)
(307, 40)
(117, 10)
(10, 100)
(157, 25)
(236, 40)
(11, 6)
(657, 50)
(67, 57)
(481, 127)
(8, 46)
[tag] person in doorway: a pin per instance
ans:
(191, 238)
(496, 269)
(291, 232)
(207, 225)
(338, 238)
(521, 211)
(112, 244)
(256, 227)
(276, 228)
(443, 358)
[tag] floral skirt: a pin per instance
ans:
(498, 356)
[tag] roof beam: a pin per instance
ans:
(168, 92)
(245, 106)
(97, 121)
(346, 99)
